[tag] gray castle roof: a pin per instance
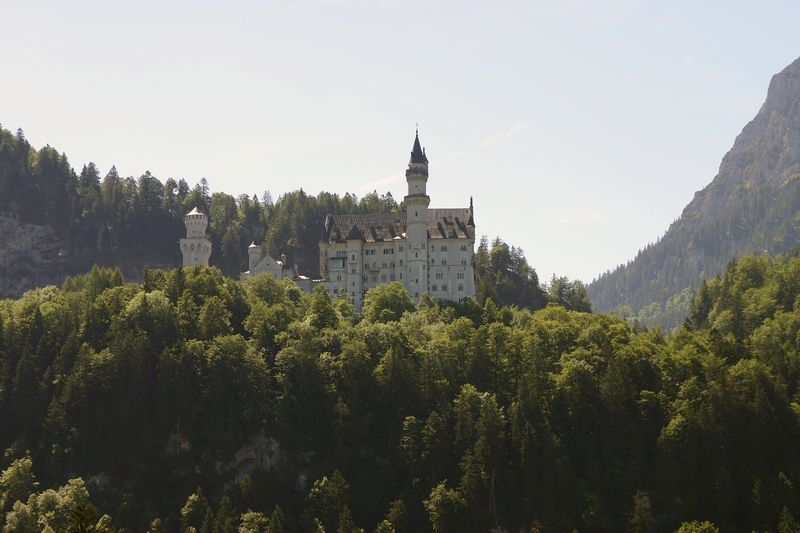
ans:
(456, 223)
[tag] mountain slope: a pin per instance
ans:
(751, 206)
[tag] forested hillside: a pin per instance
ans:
(130, 222)
(57, 223)
(192, 402)
(751, 206)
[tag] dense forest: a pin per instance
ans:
(131, 222)
(193, 402)
(112, 220)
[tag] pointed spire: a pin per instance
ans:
(417, 154)
(471, 221)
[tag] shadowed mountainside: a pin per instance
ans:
(751, 206)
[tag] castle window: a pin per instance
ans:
(374, 278)
(463, 247)
(444, 288)
(401, 248)
(353, 284)
(444, 262)
(365, 279)
(391, 277)
(439, 275)
(444, 248)
(338, 277)
(416, 295)
(460, 275)
(374, 265)
(383, 265)
(433, 260)
(416, 254)
(383, 277)
(463, 260)
(401, 275)
(460, 287)
(431, 247)
(433, 288)
(353, 271)
(391, 265)
(352, 257)
(401, 262)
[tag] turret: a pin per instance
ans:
(253, 255)
(196, 249)
(196, 223)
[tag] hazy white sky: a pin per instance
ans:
(581, 127)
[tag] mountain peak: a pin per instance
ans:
(751, 206)
(766, 151)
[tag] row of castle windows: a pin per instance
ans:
(388, 251)
(371, 251)
(383, 278)
(444, 261)
(444, 288)
(444, 247)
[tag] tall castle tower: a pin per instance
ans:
(417, 202)
(196, 249)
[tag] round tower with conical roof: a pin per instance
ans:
(417, 202)
(196, 249)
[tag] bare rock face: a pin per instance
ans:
(751, 206)
(30, 256)
(766, 151)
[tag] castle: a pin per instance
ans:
(195, 248)
(425, 249)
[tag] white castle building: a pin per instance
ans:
(196, 249)
(258, 264)
(425, 249)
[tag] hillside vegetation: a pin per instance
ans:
(192, 402)
(130, 222)
(57, 223)
(751, 206)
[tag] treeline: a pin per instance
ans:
(192, 402)
(656, 286)
(123, 221)
(111, 219)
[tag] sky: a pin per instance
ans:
(581, 127)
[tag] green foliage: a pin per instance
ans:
(437, 419)
(697, 527)
(136, 220)
(503, 275)
(387, 303)
(17, 482)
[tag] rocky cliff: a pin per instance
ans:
(30, 256)
(767, 151)
(751, 206)
(33, 255)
